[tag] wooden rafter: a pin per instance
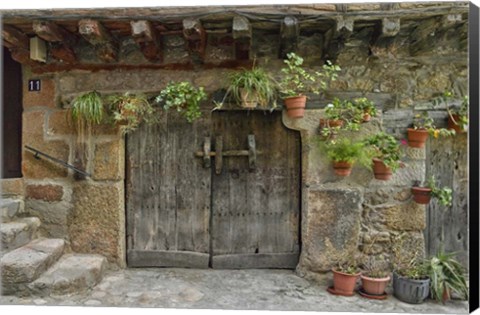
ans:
(148, 39)
(242, 35)
(98, 36)
(60, 40)
(15, 37)
(289, 32)
(196, 39)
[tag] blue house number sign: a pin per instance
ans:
(34, 85)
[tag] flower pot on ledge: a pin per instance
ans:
(421, 195)
(344, 283)
(417, 137)
(295, 106)
(452, 125)
(374, 286)
(342, 168)
(380, 170)
(332, 123)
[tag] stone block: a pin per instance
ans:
(415, 153)
(96, 222)
(60, 123)
(73, 273)
(18, 233)
(11, 186)
(331, 228)
(44, 192)
(406, 217)
(109, 160)
(33, 124)
(53, 216)
(26, 263)
(406, 247)
(45, 97)
(9, 208)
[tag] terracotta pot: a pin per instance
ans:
(249, 100)
(421, 195)
(417, 137)
(452, 125)
(295, 106)
(380, 170)
(342, 168)
(367, 117)
(446, 295)
(344, 283)
(331, 123)
(374, 286)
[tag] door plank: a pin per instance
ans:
(255, 261)
(158, 258)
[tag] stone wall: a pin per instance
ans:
(400, 74)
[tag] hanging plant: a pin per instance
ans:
(129, 111)
(87, 110)
(184, 97)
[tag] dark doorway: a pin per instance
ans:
(12, 117)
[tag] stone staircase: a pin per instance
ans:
(33, 265)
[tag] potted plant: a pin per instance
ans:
(422, 194)
(87, 110)
(296, 81)
(367, 107)
(129, 110)
(386, 155)
(423, 127)
(446, 275)
(457, 119)
(253, 87)
(374, 279)
(184, 97)
(411, 283)
(345, 276)
(344, 153)
(340, 115)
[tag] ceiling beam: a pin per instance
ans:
(289, 32)
(15, 37)
(196, 39)
(99, 37)
(148, 39)
(242, 35)
(60, 40)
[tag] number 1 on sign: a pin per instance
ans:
(34, 85)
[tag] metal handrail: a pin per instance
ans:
(63, 163)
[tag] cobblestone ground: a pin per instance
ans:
(227, 289)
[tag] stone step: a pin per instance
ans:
(73, 273)
(27, 263)
(18, 233)
(9, 208)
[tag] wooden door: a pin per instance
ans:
(181, 213)
(168, 195)
(12, 117)
(255, 212)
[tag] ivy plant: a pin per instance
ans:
(183, 97)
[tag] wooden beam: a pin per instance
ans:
(242, 35)
(98, 36)
(196, 39)
(148, 38)
(51, 32)
(22, 56)
(60, 39)
(15, 37)
(289, 32)
(390, 27)
(344, 25)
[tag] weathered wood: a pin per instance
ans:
(168, 191)
(184, 259)
(218, 154)
(207, 161)
(344, 25)
(255, 212)
(446, 226)
(196, 39)
(390, 27)
(23, 56)
(289, 32)
(148, 38)
(63, 53)
(255, 261)
(242, 34)
(98, 36)
(15, 37)
(252, 152)
(51, 32)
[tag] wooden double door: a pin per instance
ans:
(223, 192)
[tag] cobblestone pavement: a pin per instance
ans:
(227, 289)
